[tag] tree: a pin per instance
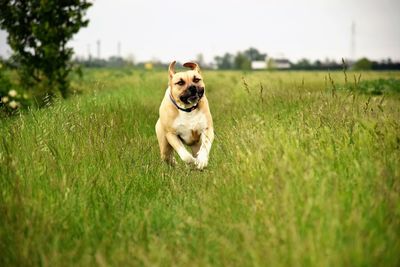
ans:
(242, 62)
(253, 54)
(38, 33)
(200, 59)
(304, 63)
(318, 64)
(225, 62)
(363, 64)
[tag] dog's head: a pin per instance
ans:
(186, 87)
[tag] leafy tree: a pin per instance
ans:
(304, 63)
(318, 64)
(253, 54)
(225, 62)
(38, 33)
(200, 59)
(242, 62)
(363, 64)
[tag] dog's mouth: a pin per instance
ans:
(190, 98)
(193, 99)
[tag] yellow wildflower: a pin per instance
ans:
(4, 99)
(12, 93)
(13, 104)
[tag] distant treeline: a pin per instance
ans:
(361, 64)
(247, 60)
(243, 60)
(111, 62)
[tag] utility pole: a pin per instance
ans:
(119, 49)
(353, 42)
(98, 48)
(89, 52)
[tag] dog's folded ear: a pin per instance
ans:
(171, 69)
(192, 66)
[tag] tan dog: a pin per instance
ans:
(185, 118)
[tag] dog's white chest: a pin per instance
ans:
(190, 125)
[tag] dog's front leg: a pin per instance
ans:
(206, 140)
(174, 141)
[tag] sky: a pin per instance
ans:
(294, 29)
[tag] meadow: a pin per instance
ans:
(304, 171)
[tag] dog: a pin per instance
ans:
(185, 118)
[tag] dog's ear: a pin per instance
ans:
(192, 66)
(171, 69)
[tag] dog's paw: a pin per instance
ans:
(171, 161)
(201, 161)
(186, 156)
(189, 159)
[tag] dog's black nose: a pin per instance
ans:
(192, 89)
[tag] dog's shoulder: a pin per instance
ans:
(167, 111)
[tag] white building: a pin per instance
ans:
(259, 65)
(281, 63)
(271, 63)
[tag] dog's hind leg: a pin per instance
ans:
(166, 150)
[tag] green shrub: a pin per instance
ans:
(379, 86)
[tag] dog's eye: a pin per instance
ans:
(196, 80)
(181, 82)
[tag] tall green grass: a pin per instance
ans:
(298, 176)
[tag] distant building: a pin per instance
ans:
(258, 65)
(282, 63)
(271, 63)
(279, 63)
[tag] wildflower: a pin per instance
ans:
(12, 93)
(4, 99)
(13, 104)
(25, 96)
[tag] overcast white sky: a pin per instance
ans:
(181, 29)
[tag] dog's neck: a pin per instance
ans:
(190, 109)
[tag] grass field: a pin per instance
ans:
(301, 173)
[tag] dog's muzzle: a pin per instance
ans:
(192, 95)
